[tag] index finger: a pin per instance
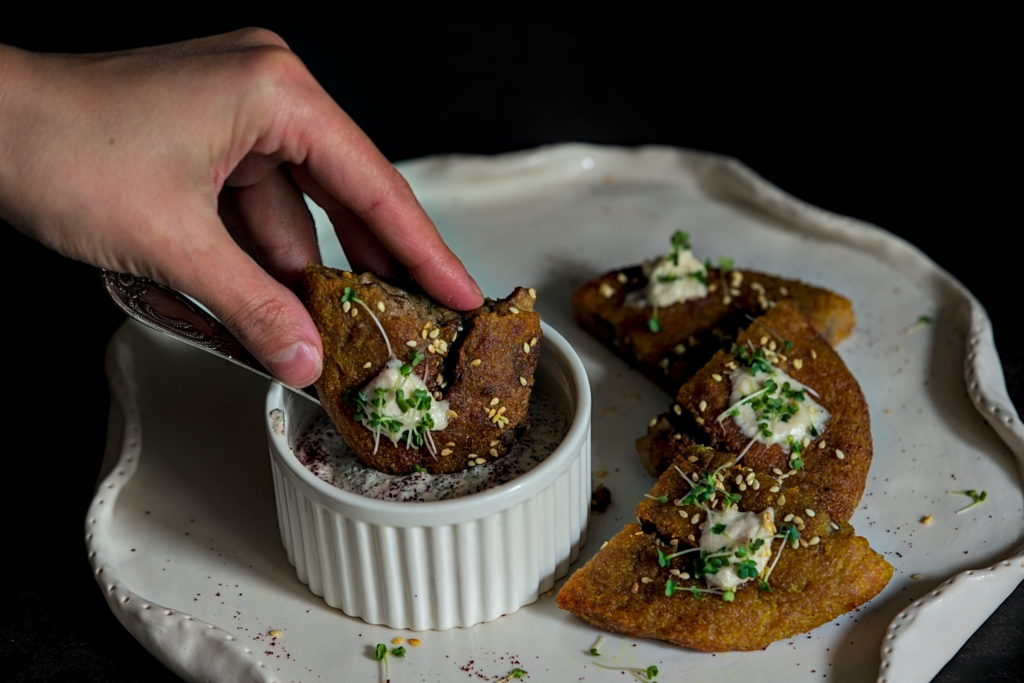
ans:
(348, 172)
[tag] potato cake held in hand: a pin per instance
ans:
(412, 385)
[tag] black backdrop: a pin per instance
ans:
(901, 117)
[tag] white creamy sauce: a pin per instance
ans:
(741, 529)
(806, 422)
(672, 279)
(386, 385)
(321, 449)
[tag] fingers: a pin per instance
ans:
(272, 219)
(263, 313)
(351, 174)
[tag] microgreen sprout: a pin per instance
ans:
(649, 673)
(659, 499)
(653, 324)
(595, 649)
(380, 653)
(512, 675)
(978, 497)
(918, 324)
(349, 295)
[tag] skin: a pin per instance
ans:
(165, 161)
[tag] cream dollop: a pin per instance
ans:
(741, 537)
(398, 403)
(773, 408)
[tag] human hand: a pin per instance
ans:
(155, 161)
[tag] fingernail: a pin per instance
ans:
(297, 364)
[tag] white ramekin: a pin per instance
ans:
(437, 565)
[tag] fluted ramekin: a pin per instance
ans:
(441, 564)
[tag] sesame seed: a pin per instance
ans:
(347, 306)
(603, 545)
(493, 443)
(475, 361)
(782, 499)
(763, 340)
(481, 461)
(788, 518)
(495, 401)
(434, 333)
(645, 579)
(840, 454)
(772, 345)
(438, 395)
(814, 354)
(470, 462)
(380, 306)
(532, 292)
(814, 541)
(798, 363)
(450, 444)
(776, 470)
(423, 333)
(533, 341)
(514, 310)
(809, 512)
(715, 376)
(635, 587)
(691, 458)
(695, 518)
(526, 347)
(367, 365)
(355, 313)
(412, 343)
(739, 479)
(684, 575)
(523, 381)
(452, 413)
(774, 489)
(756, 485)
(677, 409)
(621, 277)
(783, 291)
(803, 543)
(703, 406)
(691, 538)
(446, 451)
(927, 519)
(743, 487)
(663, 364)
(431, 349)
(727, 299)
(821, 444)
(679, 349)
(441, 345)
(917, 576)
(834, 525)
(276, 632)
(606, 290)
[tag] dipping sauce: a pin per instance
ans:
(323, 452)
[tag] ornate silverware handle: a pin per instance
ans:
(174, 314)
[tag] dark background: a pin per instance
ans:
(901, 117)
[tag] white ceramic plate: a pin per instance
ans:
(182, 532)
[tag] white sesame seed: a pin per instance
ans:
(654, 421)
(927, 519)
(347, 306)
(495, 401)
(412, 343)
(533, 341)
(355, 313)
(782, 499)
(532, 292)
(367, 365)
(446, 451)
(695, 518)
(606, 290)
(621, 277)
(523, 381)
(494, 452)
(809, 512)
(715, 376)
(475, 361)
(514, 310)
(703, 406)
(788, 518)
(814, 354)
(840, 454)
(380, 306)
(677, 409)
(798, 363)
(763, 340)
(814, 541)
(434, 333)
(452, 413)
(526, 347)
(679, 349)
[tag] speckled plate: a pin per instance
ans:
(182, 532)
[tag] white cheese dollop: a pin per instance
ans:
(806, 422)
(386, 385)
(741, 530)
(672, 279)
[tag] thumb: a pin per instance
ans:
(266, 316)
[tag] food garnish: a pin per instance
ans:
(978, 497)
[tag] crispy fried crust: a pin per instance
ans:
(692, 331)
(809, 587)
(837, 484)
(502, 335)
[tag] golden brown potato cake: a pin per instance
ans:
(623, 589)
(835, 463)
(691, 331)
(482, 362)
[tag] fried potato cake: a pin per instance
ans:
(644, 581)
(834, 464)
(481, 362)
(623, 589)
(690, 332)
